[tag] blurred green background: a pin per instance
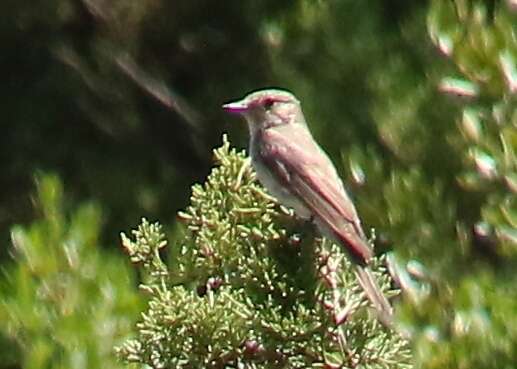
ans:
(111, 109)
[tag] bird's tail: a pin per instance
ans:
(374, 294)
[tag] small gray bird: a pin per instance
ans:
(295, 170)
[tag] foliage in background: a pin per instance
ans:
(122, 99)
(243, 290)
(64, 302)
(469, 318)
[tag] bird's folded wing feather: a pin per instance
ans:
(297, 162)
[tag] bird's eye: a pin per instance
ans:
(268, 103)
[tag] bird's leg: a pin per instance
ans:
(303, 228)
(299, 227)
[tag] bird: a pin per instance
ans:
(295, 170)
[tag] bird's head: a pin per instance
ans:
(267, 108)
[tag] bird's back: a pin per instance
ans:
(299, 164)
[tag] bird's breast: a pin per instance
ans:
(277, 189)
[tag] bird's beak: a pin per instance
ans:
(236, 107)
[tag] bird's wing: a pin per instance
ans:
(297, 162)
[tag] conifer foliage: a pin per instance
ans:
(246, 289)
